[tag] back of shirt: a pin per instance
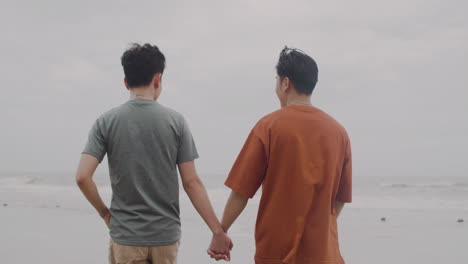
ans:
(144, 142)
(301, 156)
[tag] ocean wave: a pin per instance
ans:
(426, 185)
(19, 180)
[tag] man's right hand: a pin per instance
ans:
(220, 246)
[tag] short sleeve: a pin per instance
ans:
(249, 170)
(344, 193)
(96, 145)
(187, 150)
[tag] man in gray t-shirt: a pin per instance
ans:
(145, 143)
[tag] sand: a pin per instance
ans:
(54, 224)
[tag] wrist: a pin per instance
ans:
(224, 226)
(103, 212)
(218, 231)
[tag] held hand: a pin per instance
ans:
(220, 247)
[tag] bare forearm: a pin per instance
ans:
(234, 207)
(90, 191)
(200, 200)
(84, 180)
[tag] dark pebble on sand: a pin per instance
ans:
(460, 220)
(383, 219)
(5, 204)
(58, 206)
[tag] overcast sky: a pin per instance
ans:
(394, 73)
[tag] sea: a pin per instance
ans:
(419, 193)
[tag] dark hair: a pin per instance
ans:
(300, 68)
(141, 62)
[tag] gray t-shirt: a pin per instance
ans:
(144, 142)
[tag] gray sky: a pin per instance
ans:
(394, 73)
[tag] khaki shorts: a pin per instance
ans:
(121, 254)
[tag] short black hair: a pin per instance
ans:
(141, 62)
(300, 69)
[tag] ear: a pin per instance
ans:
(157, 80)
(126, 84)
(286, 84)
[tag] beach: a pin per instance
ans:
(46, 219)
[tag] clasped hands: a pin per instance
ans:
(220, 246)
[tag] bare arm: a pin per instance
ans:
(234, 207)
(84, 180)
(338, 207)
(196, 191)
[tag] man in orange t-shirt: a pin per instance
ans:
(302, 158)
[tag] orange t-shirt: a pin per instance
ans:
(302, 158)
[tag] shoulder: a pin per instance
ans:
(109, 114)
(270, 119)
(106, 117)
(264, 124)
(335, 125)
(171, 114)
(175, 118)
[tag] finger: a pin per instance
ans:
(216, 252)
(224, 256)
(214, 255)
(219, 252)
(219, 257)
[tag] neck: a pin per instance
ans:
(298, 99)
(142, 93)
